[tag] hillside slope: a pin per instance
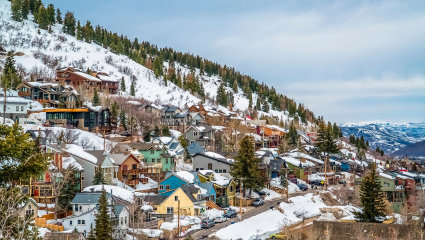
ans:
(388, 136)
(41, 52)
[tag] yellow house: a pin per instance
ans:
(223, 184)
(187, 196)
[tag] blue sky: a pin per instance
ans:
(346, 60)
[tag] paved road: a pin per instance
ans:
(253, 212)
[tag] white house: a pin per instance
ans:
(16, 107)
(85, 207)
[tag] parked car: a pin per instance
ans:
(257, 202)
(302, 187)
(316, 182)
(207, 223)
(342, 181)
(278, 236)
(230, 213)
(220, 219)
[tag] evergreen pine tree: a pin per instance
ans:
(382, 152)
(99, 179)
(258, 104)
(17, 10)
(266, 107)
(123, 119)
(96, 100)
(58, 16)
(325, 143)
(165, 131)
(42, 18)
(69, 23)
(114, 112)
(372, 198)
(25, 9)
(79, 31)
(132, 89)
(245, 165)
(123, 85)
(69, 190)
(235, 87)
(103, 229)
(147, 134)
(292, 135)
(50, 14)
(92, 235)
(10, 78)
(221, 96)
(156, 132)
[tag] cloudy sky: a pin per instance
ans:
(346, 60)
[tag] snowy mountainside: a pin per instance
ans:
(45, 51)
(388, 136)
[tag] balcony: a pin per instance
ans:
(24, 94)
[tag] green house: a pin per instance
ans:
(156, 158)
(393, 193)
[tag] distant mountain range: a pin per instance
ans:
(412, 150)
(390, 137)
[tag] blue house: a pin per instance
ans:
(347, 166)
(194, 148)
(174, 180)
(210, 195)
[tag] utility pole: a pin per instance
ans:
(178, 218)
(287, 186)
(326, 175)
(240, 196)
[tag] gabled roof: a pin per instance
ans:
(88, 198)
(189, 190)
(195, 148)
(223, 160)
(119, 158)
(118, 209)
(171, 109)
(98, 154)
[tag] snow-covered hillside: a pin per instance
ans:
(45, 51)
(388, 136)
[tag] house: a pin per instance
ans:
(87, 80)
(41, 188)
(156, 158)
(63, 236)
(29, 209)
(49, 94)
(194, 148)
(172, 144)
(85, 206)
(224, 186)
(203, 135)
(90, 160)
(184, 199)
(153, 109)
(273, 134)
(211, 161)
(174, 180)
(198, 108)
(130, 170)
(88, 119)
(276, 166)
(16, 107)
(180, 120)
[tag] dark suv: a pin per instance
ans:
(230, 213)
(207, 223)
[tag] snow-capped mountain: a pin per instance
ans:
(42, 51)
(388, 136)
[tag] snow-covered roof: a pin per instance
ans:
(386, 176)
(87, 76)
(15, 100)
(79, 152)
(116, 191)
(71, 162)
(107, 78)
(214, 155)
(185, 175)
(297, 162)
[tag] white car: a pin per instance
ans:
(220, 219)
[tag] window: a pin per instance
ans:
(70, 222)
(161, 187)
(81, 209)
(124, 167)
(76, 207)
(83, 222)
(170, 210)
(216, 170)
(22, 108)
(210, 166)
(122, 220)
(197, 169)
(224, 170)
(79, 221)
(125, 220)
(167, 187)
(134, 166)
(195, 134)
(220, 171)
(152, 151)
(17, 108)
(166, 160)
